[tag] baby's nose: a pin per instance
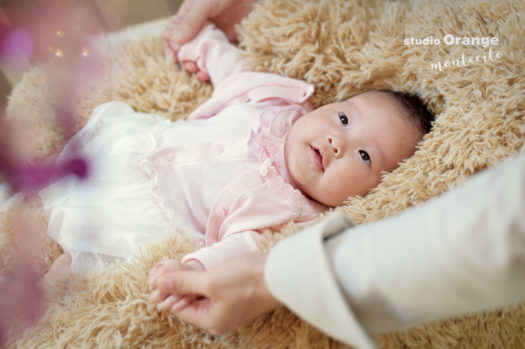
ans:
(335, 145)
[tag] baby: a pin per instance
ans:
(252, 158)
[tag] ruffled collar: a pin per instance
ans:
(267, 139)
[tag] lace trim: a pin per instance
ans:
(152, 186)
(284, 191)
(268, 139)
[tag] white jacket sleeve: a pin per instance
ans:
(459, 253)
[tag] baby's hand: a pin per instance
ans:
(166, 300)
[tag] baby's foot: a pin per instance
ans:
(60, 270)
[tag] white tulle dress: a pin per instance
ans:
(92, 218)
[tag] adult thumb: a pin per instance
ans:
(184, 282)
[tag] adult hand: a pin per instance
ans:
(170, 300)
(191, 16)
(226, 296)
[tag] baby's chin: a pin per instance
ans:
(327, 201)
(338, 199)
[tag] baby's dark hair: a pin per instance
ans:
(416, 108)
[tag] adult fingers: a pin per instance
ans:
(175, 302)
(198, 314)
(156, 296)
(231, 34)
(168, 302)
(169, 52)
(182, 303)
(185, 283)
(160, 268)
(187, 22)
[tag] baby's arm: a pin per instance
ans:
(237, 244)
(213, 54)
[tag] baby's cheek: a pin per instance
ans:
(368, 182)
(333, 193)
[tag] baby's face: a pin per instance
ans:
(341, 149)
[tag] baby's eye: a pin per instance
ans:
(366, 158)
(343, 118)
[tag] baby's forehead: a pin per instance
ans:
(373, 94)
(374, 100)
(382, 106)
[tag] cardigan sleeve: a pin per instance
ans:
(213, 54)
(459, 253)
(249, 209)
(236, 244)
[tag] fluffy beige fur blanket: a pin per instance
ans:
(342, 47)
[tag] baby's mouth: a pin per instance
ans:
(318, 158)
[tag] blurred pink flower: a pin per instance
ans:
(22, 298)
(58, 29)
(17, 48)
(56, 33)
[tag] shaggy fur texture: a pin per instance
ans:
(342, 47)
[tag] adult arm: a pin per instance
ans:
(460, 253)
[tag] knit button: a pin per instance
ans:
(264, 171)
(218, 149)
(170, 156)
